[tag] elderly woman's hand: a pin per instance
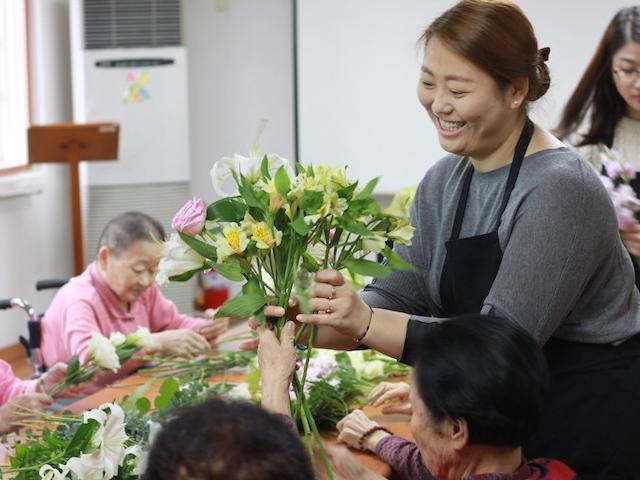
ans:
(347, 466)
(277, 363)
(270, 311)
(54, 376)
(354, 426)
(17, 409)
(338, 305)
(386, 391)
(215, 327)
(182, 341)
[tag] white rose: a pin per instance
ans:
(117, 338)
(177, 258)
(103, 353)
(141, 338)
(240, 391)
(372, 369)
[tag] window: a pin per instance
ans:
(14, 101)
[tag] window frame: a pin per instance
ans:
(15, 85)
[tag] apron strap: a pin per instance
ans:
(514, 170)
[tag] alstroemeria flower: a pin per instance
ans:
(177, 258)
(222, 171)
(399, 206)
(375, 243)
(265, 236)
(103, 353)
(232, 241)
(402, 234)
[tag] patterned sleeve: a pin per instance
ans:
(404, 458)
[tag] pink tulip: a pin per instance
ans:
(191, 217)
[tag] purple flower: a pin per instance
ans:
(626, 218)
(612, 167)
(191, 217)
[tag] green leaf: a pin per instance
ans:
(252, 286)
(310, 264)
(264, 168)
(253, 380)
(183, 277)
(396, 262)
(282, 182)
(367, 267)
(167, 391)
(202, 248)
(299, 226)
(367, 190)
(242, 305)
(354, 227)
(311, 201)
(250, 194)
(347, 192)
(227, 210)
(230, 269)
(130, 402)
(82, 437)
(143, 405)
(73, 367)
(300, 168)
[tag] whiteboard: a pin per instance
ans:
(358, 67)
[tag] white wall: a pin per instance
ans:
(359, 67)
(240, 71)
(36, 231)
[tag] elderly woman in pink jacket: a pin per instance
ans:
(17, 394)
(117, 293)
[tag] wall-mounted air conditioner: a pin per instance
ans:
(129, 66)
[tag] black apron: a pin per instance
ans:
(472, 263)
(591, 416)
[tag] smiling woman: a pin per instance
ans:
(14, 101)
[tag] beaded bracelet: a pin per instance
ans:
(369, 432)
(359, 339)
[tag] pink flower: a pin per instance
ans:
(190, 218)
(629, 170)
(613, 168)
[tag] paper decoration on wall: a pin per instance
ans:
(136, 90)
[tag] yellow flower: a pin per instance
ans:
(232, 241)
(374, 243)
(264, 236)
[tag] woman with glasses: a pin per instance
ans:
(604, 109)
(117, 293)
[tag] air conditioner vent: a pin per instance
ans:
(132, 23)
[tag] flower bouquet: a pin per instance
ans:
(273, 228)
(106, 354)
(617, 181)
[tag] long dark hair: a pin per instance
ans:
(596, 92)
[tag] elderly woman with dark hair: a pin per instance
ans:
(477, 397)
(235, 440)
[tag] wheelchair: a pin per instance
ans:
(32, 344)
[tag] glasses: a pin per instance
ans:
(626, 75)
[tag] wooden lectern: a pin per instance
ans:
(72, 143)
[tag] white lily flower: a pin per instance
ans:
(103, 353)
(177, 258)
(87, 467)
(223, 170)
(47, 472)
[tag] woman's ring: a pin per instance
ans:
(333, 292)
(329, 310)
